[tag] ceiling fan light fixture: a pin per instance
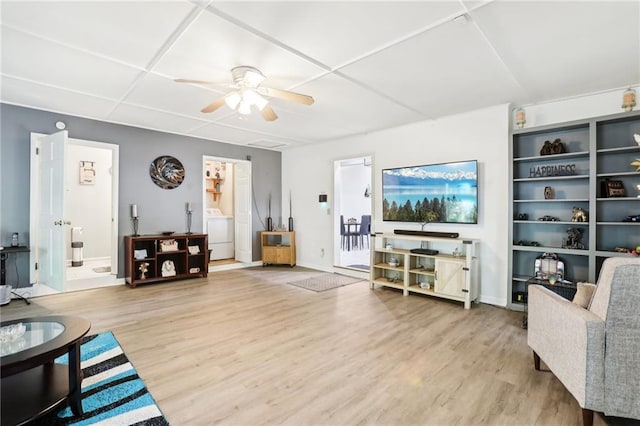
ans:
(244, 108)
(232, 100)
(251, 77)
(253, 98)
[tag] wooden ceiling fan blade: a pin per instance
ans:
(213, 105)
(186, 80)
(285, 94)
(269, 114)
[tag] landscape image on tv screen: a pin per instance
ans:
(444, 193)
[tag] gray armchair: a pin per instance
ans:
(594, 352)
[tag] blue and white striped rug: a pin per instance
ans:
(112, 391)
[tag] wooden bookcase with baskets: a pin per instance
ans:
(156, 258)
(545, 189)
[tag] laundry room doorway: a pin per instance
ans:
(227, 211)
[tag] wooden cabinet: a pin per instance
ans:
(278, 248)
(155, 258)
(546, 188)
(452, 273)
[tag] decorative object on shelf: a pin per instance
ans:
(393, 262)
(194, 270)
(638, 188)
(168, 268)
(628, 99)
(269, 220)
(134, 218)
(389, 247)
(167, 172)
(168, 245)
(189, 213)
(573, 239)
(140, 254)
(636, 137)
(528, 243)
(554, 170)
(551, 148)
(520, 118)
(456, 252)
(579, 215)
(522, 216)
(547, 218)
(143, 268)
(549, 264)
(632, 218)
(194, 249)
(636, 164)
(612, 188)
(548, 193)
(290, 215)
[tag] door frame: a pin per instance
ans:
(337, 206)
(34, 191)
(205, 159)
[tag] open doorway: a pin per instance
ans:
(352, 213)
(227, 212)
(73, 213)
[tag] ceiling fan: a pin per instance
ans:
(249, 93)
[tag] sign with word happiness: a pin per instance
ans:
(552, 170)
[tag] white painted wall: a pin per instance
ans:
(89, 206)
(354, 180)
(482, 135)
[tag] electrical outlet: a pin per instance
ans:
(321, 252)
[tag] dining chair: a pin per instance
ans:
(365, 229)
(347, 236)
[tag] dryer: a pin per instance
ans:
(220, 229)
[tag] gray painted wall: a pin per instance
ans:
(159, 209)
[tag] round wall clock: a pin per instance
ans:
(167, 172)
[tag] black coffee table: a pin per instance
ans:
(32, 384)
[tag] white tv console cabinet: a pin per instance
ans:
(452, 273)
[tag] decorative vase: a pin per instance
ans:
(269, 224)
(290, 224)
(628, 99)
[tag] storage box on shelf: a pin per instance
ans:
(145, 257)
(546, 188)
(450, 274)
(278, 248)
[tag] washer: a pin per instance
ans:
(221, 233)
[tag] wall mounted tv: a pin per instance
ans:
(440, 193)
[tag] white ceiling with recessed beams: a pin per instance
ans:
(369, 65)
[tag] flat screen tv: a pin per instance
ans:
(439, 193)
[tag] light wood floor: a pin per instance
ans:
(244, 348)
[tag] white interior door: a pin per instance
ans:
(47, 201)
(242, 211)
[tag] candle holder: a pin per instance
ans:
(135, 226)
(189, 222)
(520, 118)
